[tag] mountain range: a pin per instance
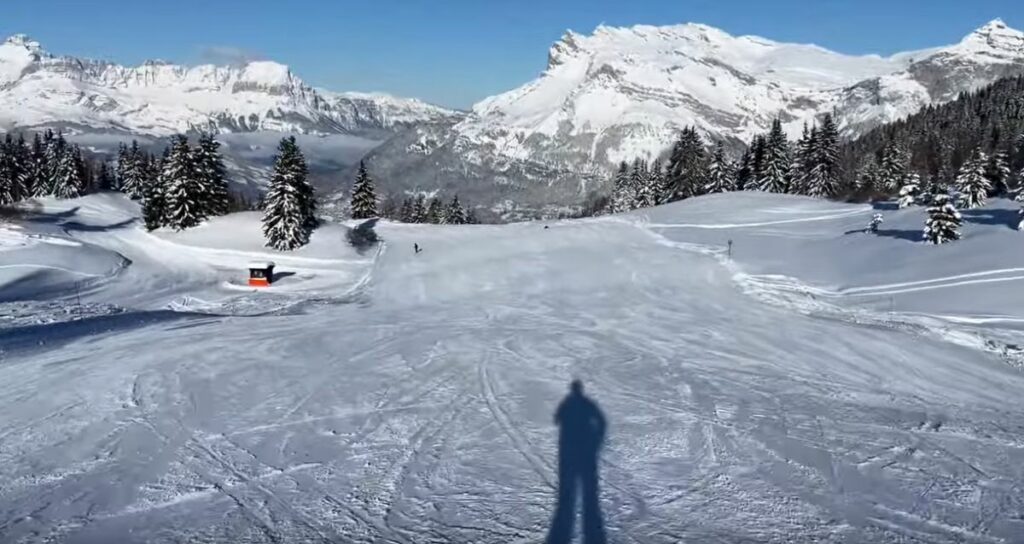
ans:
(615, 94)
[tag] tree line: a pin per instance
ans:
(181, 188)
(47, 166)
(771, 163)
(290, 204)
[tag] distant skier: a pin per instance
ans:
(416, 248)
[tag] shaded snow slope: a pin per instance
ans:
(420, 410)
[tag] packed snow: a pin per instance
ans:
(769, 371)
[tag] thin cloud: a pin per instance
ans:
(228, 55)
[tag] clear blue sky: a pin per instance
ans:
(454, 52)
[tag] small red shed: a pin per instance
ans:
(261, 273)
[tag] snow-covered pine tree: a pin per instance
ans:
(11, 172)
(455, 214)
(419, 210)
(435, 211)
(66, 173)
(868, 175)
(120, 165)
(638, 181)
(998, 173)
(686, 172)
(183, 191)
(775, 174)
(971, 183)
(288, 202)
(364, 198)
(471, 218)
(910, 193)
(893, 167)
(800, 166)
(405, 213)
(132, 175)
(943, 223)
(623, 195)
(720, 174)
(876, 221)
(104, 177)
(823, 156)
(35, 167)
(745, 170)
(650, 191)
(211, 175)
(154, 194)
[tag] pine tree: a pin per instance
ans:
(623, 194)
(943, 223)
(893, 168)
(12, 168)
(775, 173)
(686, 172)
(184, 192)
(455, 215)
(364, 199)
(876, 221)
(802, 163)
(998, 173)
(648, 193)
(289, 201)
(823, 157)
(132, 171)
(720, 174)
(105, 178)
(65, 172)
(435, 211)
(210, 173)
(971, 183)
(637, 180)
(745, 170)
(407, 211)
(419, 210)
(35, 168)
(868, 175)
(911, 191)
(120, 166)
(154, 195)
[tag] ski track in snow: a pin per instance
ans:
(413, 404)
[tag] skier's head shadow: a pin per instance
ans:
(581, 433)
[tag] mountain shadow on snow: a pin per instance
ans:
(581, 433)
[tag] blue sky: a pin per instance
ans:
(454, 52)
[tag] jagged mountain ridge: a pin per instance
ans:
(622, 93)
(158, 99)
(613, 95)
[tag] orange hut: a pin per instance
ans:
(261, 273)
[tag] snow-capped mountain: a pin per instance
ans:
(158, 99)
(621, 93)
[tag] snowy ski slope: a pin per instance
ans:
(816, 386)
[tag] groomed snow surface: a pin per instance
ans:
(819, 384)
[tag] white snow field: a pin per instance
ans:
(817, 387)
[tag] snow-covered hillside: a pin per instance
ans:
(159, 99)
(819, 384)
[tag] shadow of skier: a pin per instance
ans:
(581, 433)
